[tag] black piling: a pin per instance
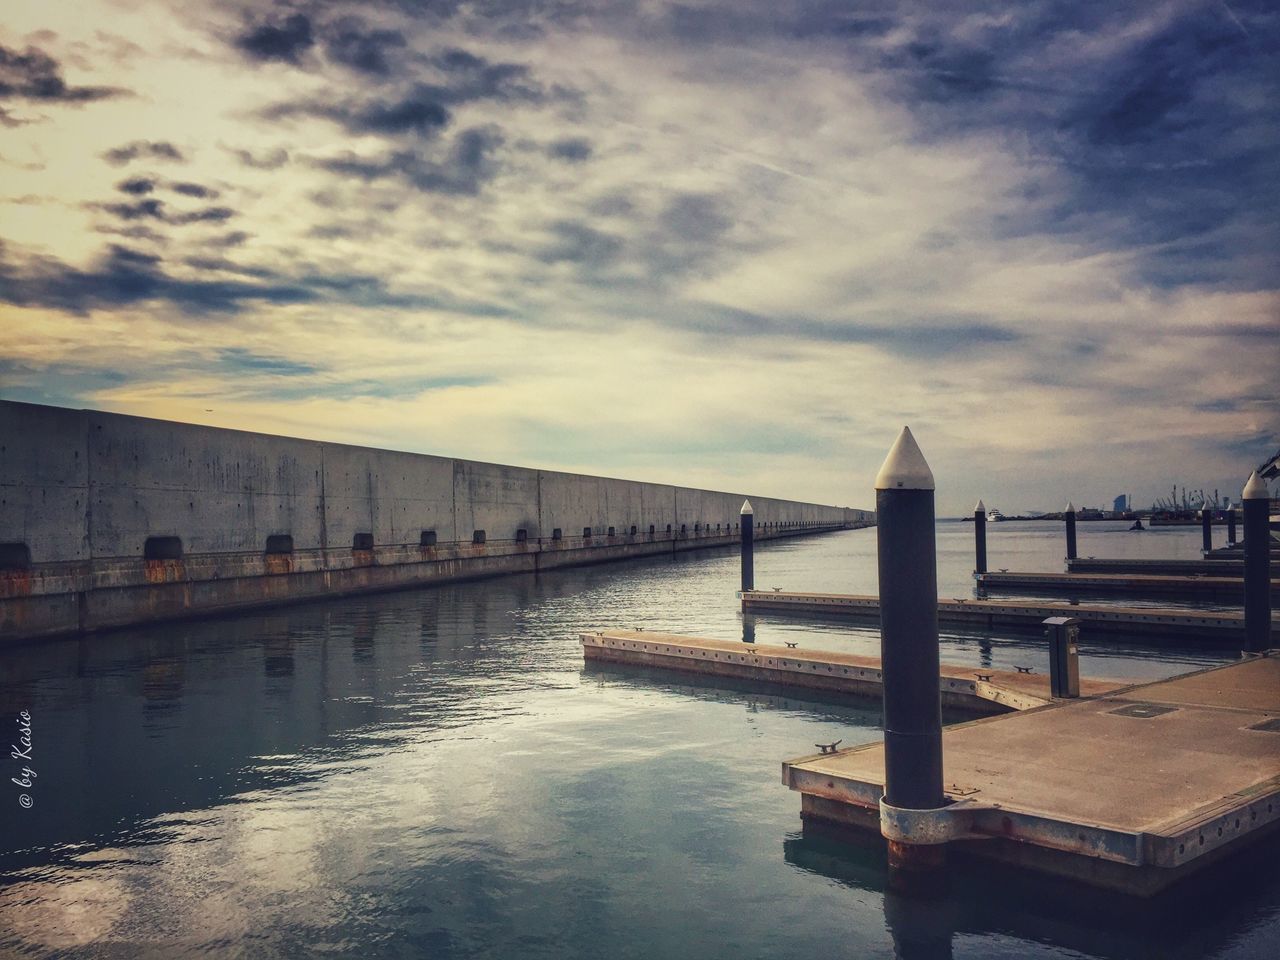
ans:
(980, 538)
(1257, 565)
(1231, 524)
(909, 642)
(1206, 528)
(748, 546)
(1070, 517)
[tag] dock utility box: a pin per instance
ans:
(1063, 634)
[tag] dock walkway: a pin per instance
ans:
(975, 690)
(1178, 568)
(1131, 790)
(1223, 627)
(1133, 584)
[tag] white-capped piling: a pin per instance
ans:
(980, 538)
(1070, 517)
(747, 521)
(909, 647)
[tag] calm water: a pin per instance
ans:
(435, 774)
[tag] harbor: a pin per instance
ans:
(552, 481)
(353, 713)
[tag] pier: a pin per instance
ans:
(980, 691)
(1131, 790)
(1183, 568)
(1133, 584)
(1150, 623)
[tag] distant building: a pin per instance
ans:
(1121, 503)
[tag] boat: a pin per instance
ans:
(993, 515)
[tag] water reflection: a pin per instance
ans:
(987, 903)
(435, 772)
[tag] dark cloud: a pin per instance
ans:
(570, 149)
(235, 238)
(144, 149)
(266, 161)
(285, 41)
(423, 109)
(188, 189)
(155, 209)
(370, 52)
(133, 231)
(465, 167)
(148, 209)
(922, 338)
(1148, 93)
(203, 215)
(136, 186)
(125, 277)
(33, 75)
(470, 77)
(946, 72)
(419, 112)
(579, 243)
(225, 265)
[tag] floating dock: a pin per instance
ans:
(974, 690)
(1132, 790)
(1178, 568)
(1133, 584)
(1223, 627)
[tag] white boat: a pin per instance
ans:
(993, 515)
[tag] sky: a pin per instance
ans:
(730, 244)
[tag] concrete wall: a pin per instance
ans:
(84, 490)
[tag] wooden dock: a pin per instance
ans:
(1132, 790)
(1133, 584)
(1224, 627)
(974, 690)
(1177, 568)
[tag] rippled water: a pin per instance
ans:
(435, 774)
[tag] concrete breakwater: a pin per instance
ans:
(109, 520)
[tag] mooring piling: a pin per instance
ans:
(1206, 527)
(1257, 565)
(748, 546)
(1231, 524)
(907, 558)
(980, 538)
(1070, 517)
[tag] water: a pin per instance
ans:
(435, 774)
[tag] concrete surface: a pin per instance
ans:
(1154, 776)
(83, 491)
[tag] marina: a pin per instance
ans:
(344, 719)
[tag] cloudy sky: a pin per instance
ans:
(727, 244)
